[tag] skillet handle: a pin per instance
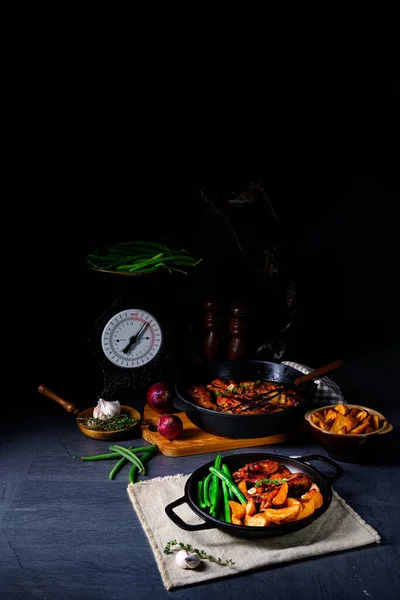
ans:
(319, 372)
(178, 521)
(331, 478)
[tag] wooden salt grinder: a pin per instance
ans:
(238, 328)
(212, 319)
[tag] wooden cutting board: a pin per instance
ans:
(193, 440)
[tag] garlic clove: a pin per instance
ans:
(110, 408)
(106, 409)
(187, 560)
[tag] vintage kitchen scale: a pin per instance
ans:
(130, 345)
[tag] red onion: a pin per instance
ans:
(169, 426)
(159, 397)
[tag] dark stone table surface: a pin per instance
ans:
(69, 532)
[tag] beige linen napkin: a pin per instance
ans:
(339, 528)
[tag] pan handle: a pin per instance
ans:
(319, 372)
(331, 478)
(178, 521)
(69, 406)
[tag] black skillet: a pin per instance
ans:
(234, 462)
(244, 425)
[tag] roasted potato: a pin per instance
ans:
(285, 514)
(343, 420)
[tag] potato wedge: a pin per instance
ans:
(330, 415)
(317, 415)
(281, 495)
(350, 422)
(342, 408)
(236, 521)
(315, 495)
(238, 510)
(361, 428)
(283, 515)
(322, 424)
(242, 487)
(375, 422)
(257, 520)
(307, 510)
(250, 507)
(338, 423)
(293, 502)
(361, 415)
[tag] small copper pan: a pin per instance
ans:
(88, 412)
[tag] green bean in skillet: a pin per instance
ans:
(200, 497)
(242, 498)
(226, 507)
(225, 469)
(215, 488)
(206, 486)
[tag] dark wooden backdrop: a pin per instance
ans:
(328, 159)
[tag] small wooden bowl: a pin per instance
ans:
(119, 434)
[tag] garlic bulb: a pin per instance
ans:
(106, 409)
(187, 560)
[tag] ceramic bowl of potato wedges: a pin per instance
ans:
(349, 432)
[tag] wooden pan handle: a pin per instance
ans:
(319, 372)
(69, 406)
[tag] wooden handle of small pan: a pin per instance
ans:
(69, 406)
(319, 372)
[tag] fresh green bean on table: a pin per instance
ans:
(134, 468)
(130, 456)
(125, 454)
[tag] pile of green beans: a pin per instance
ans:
(141, 257)
(125, 455)
(216, 490)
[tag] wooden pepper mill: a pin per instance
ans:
(237, 347)
(212, 320)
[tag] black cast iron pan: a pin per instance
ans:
(243, 425)
(234, 462)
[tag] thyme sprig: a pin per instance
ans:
(266, 480)
(200, 553)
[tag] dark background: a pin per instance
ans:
(101, 169)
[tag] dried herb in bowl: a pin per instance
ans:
(121, 421)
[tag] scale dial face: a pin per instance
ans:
(131, 339)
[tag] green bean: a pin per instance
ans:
(200, 498)
(115, 454)
(99, 456)
(231, 485)
(227, 510)
(215, 488)
(225, 469)
(148, 261)
(130, 456)
(141, 257)
(206, 498)
(146, 456)
(117, 467)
